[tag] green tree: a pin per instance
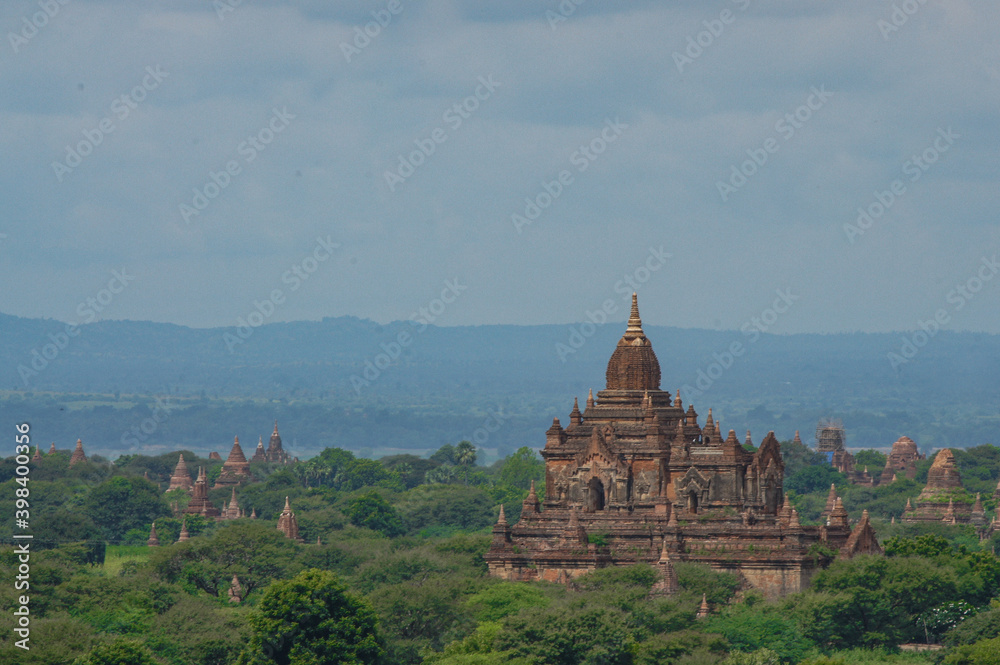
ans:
(874, 601)
(340, 470)
(465, 456)
(985, 652)
(312, 619)
(119, 652)
(984, 625)
(814, 479)
(798, 456)
(436, 506)
(445, 455)
(411, 469)
(443, 475)
(761, 627)
(256, 553)
(372, 511)
(568, 636)
(119, 504)
(873, 459)
(521, 467)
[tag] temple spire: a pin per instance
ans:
(704, 610)
(153, 540)
(78, 454)
(634, 322)
(590, 399)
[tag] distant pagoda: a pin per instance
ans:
(199, 504)
(902, 459)
(78, 454)
(236, 469)
(259, 455)
(287, 524)
(830, 440)
(936, 501)
(181, 478)
(275, 453)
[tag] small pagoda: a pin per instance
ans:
(181, 477)
(200, 504)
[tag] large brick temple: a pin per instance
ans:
(634, 477)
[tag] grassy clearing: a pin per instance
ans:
(117, 556)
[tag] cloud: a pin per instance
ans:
(560, 82)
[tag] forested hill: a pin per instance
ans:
(946, 393)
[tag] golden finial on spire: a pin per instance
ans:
(634, 322)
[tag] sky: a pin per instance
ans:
(825, 168)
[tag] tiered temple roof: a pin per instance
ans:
(636, 467)
(275, 452)
(236, 469)
(199, 504)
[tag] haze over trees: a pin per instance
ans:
(446, 387)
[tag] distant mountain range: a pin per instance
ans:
(372, 387)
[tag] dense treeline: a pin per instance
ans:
(397, 575)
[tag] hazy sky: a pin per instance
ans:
(412, 146)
